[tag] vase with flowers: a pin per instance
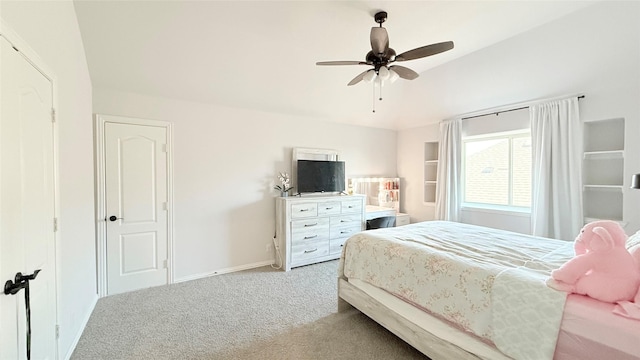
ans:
(285, 184)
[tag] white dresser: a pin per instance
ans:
(311, 229)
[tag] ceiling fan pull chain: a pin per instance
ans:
(373, 97)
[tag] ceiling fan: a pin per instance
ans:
(381, 55)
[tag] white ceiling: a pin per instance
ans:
(261, 55)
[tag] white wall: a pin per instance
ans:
(411, 171)
(226, 161)
(595, 51)
(51, 30)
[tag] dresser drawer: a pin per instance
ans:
(301, 253)
(336, 245)
(329, 208)
(345, 220)
(309, 224)
(309, 235)
(344, 231)
(351, 206)
(304, 210)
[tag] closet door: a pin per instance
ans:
(27, 224)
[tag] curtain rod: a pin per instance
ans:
(504, 111)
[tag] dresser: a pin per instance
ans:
(311, 229)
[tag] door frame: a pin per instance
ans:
(32, 57)
(101, 203)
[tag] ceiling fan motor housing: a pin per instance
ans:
(380, 17)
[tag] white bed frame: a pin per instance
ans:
(417, 335)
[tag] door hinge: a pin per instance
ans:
(164, 147)
(164, 264)
(165, 207)
(57, 331)
(55, 224)
(53, 115)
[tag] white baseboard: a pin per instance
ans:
(85, 321)
(223, 271)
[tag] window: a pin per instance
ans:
(497, 170)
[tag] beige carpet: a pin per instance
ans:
(254, 314)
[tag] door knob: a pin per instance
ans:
(114, 218)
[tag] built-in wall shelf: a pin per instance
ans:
(430, 171)
(619, 221)
(603, 170)
(603, 187)
(609, 154)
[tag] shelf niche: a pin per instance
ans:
(430, 171)
(603, 170)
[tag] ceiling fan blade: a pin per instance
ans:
(341, 63)
(404, 72)
(425, 51)
(379, 40)
(358, 78)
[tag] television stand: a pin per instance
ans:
(314, 229)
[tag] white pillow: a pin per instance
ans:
(633, 240)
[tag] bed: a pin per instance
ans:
(458, 291)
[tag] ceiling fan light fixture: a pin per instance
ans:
(383, 73)
(369, 76)
(393, 76)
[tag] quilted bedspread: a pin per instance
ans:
(489, 282)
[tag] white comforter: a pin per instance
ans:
(489, 282)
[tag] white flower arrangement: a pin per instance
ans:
(285, 181)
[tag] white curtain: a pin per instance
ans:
(449, 171)
(556, 133)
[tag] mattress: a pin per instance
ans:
(590, 330)
(587, 329)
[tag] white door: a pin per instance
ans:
(27, 239)
(136, 201)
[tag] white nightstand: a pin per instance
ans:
(402, 219)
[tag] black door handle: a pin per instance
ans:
(114, 218)
(20, 282)
(11, 288)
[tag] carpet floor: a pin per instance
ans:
(254, 314)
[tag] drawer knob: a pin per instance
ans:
(314, 224)
(310, 251)
(310, 237)
(301, 210)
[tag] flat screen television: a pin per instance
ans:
(320, 176)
